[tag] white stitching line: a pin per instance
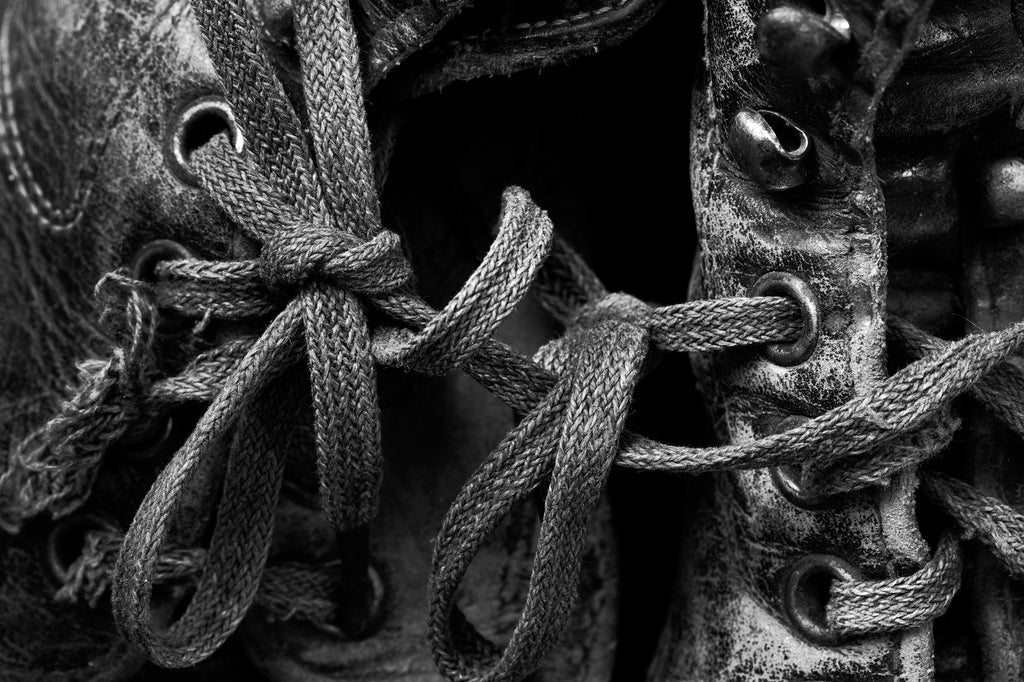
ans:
(12, 149)
(530, 27)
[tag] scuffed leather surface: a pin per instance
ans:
(84, 186)
(726, 622)
(91, 89)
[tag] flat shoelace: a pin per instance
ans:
(324, 259)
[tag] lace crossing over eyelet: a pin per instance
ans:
(66, 540)
(144, 262)
(787, 481)
(193, 126)
(791, 286)
(805, 595)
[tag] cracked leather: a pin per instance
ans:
(88, 92)
(727, 621)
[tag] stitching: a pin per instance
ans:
(387, 33)
(527, 28)
(12, 148)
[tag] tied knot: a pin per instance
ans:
(293, 258)
(617, 307)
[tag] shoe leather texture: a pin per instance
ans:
(89, 90)
(727, 620)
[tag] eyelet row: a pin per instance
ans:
(777, 154)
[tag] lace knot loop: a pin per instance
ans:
(293, 258)
(620, 307)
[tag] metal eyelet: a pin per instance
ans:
(375, 594)
(805, 594)
(193, 126)
(375, 610)
(788, 480)
(804, 41)
(144, 262)
(771, 149)
(788, 483)
(789, 285)
(147, 443)
(66, 540)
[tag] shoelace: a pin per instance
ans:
(323, 259)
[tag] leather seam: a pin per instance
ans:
(12, 148)
(527, 28)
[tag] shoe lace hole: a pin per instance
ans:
(792, 140)
(193, 127)
(806, 587)
(144, 262)
(789, 285)
(789, 483)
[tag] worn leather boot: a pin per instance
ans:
(191, 243)
(850, 157)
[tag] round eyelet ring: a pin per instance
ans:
(771, 149)
(788, 483)
(145, 260)
(66, 540)
(805, 594)
(194, 125)
(147, 443)
(375, 612)
(788, 480)
(791, 286)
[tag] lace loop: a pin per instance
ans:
(879, 606)
(995, 523)
(572, 436)
(450, 337)
(291, 258)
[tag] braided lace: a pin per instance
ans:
(306, 193)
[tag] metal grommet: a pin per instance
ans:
(788, 480)
(771, 149)
(66, 540)
(807, 42)
(788, 483)
(375, 611)
(791, 286)
(193, 126)
(806, 588)
(145, 260)
(147, 442)
(376, 601)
